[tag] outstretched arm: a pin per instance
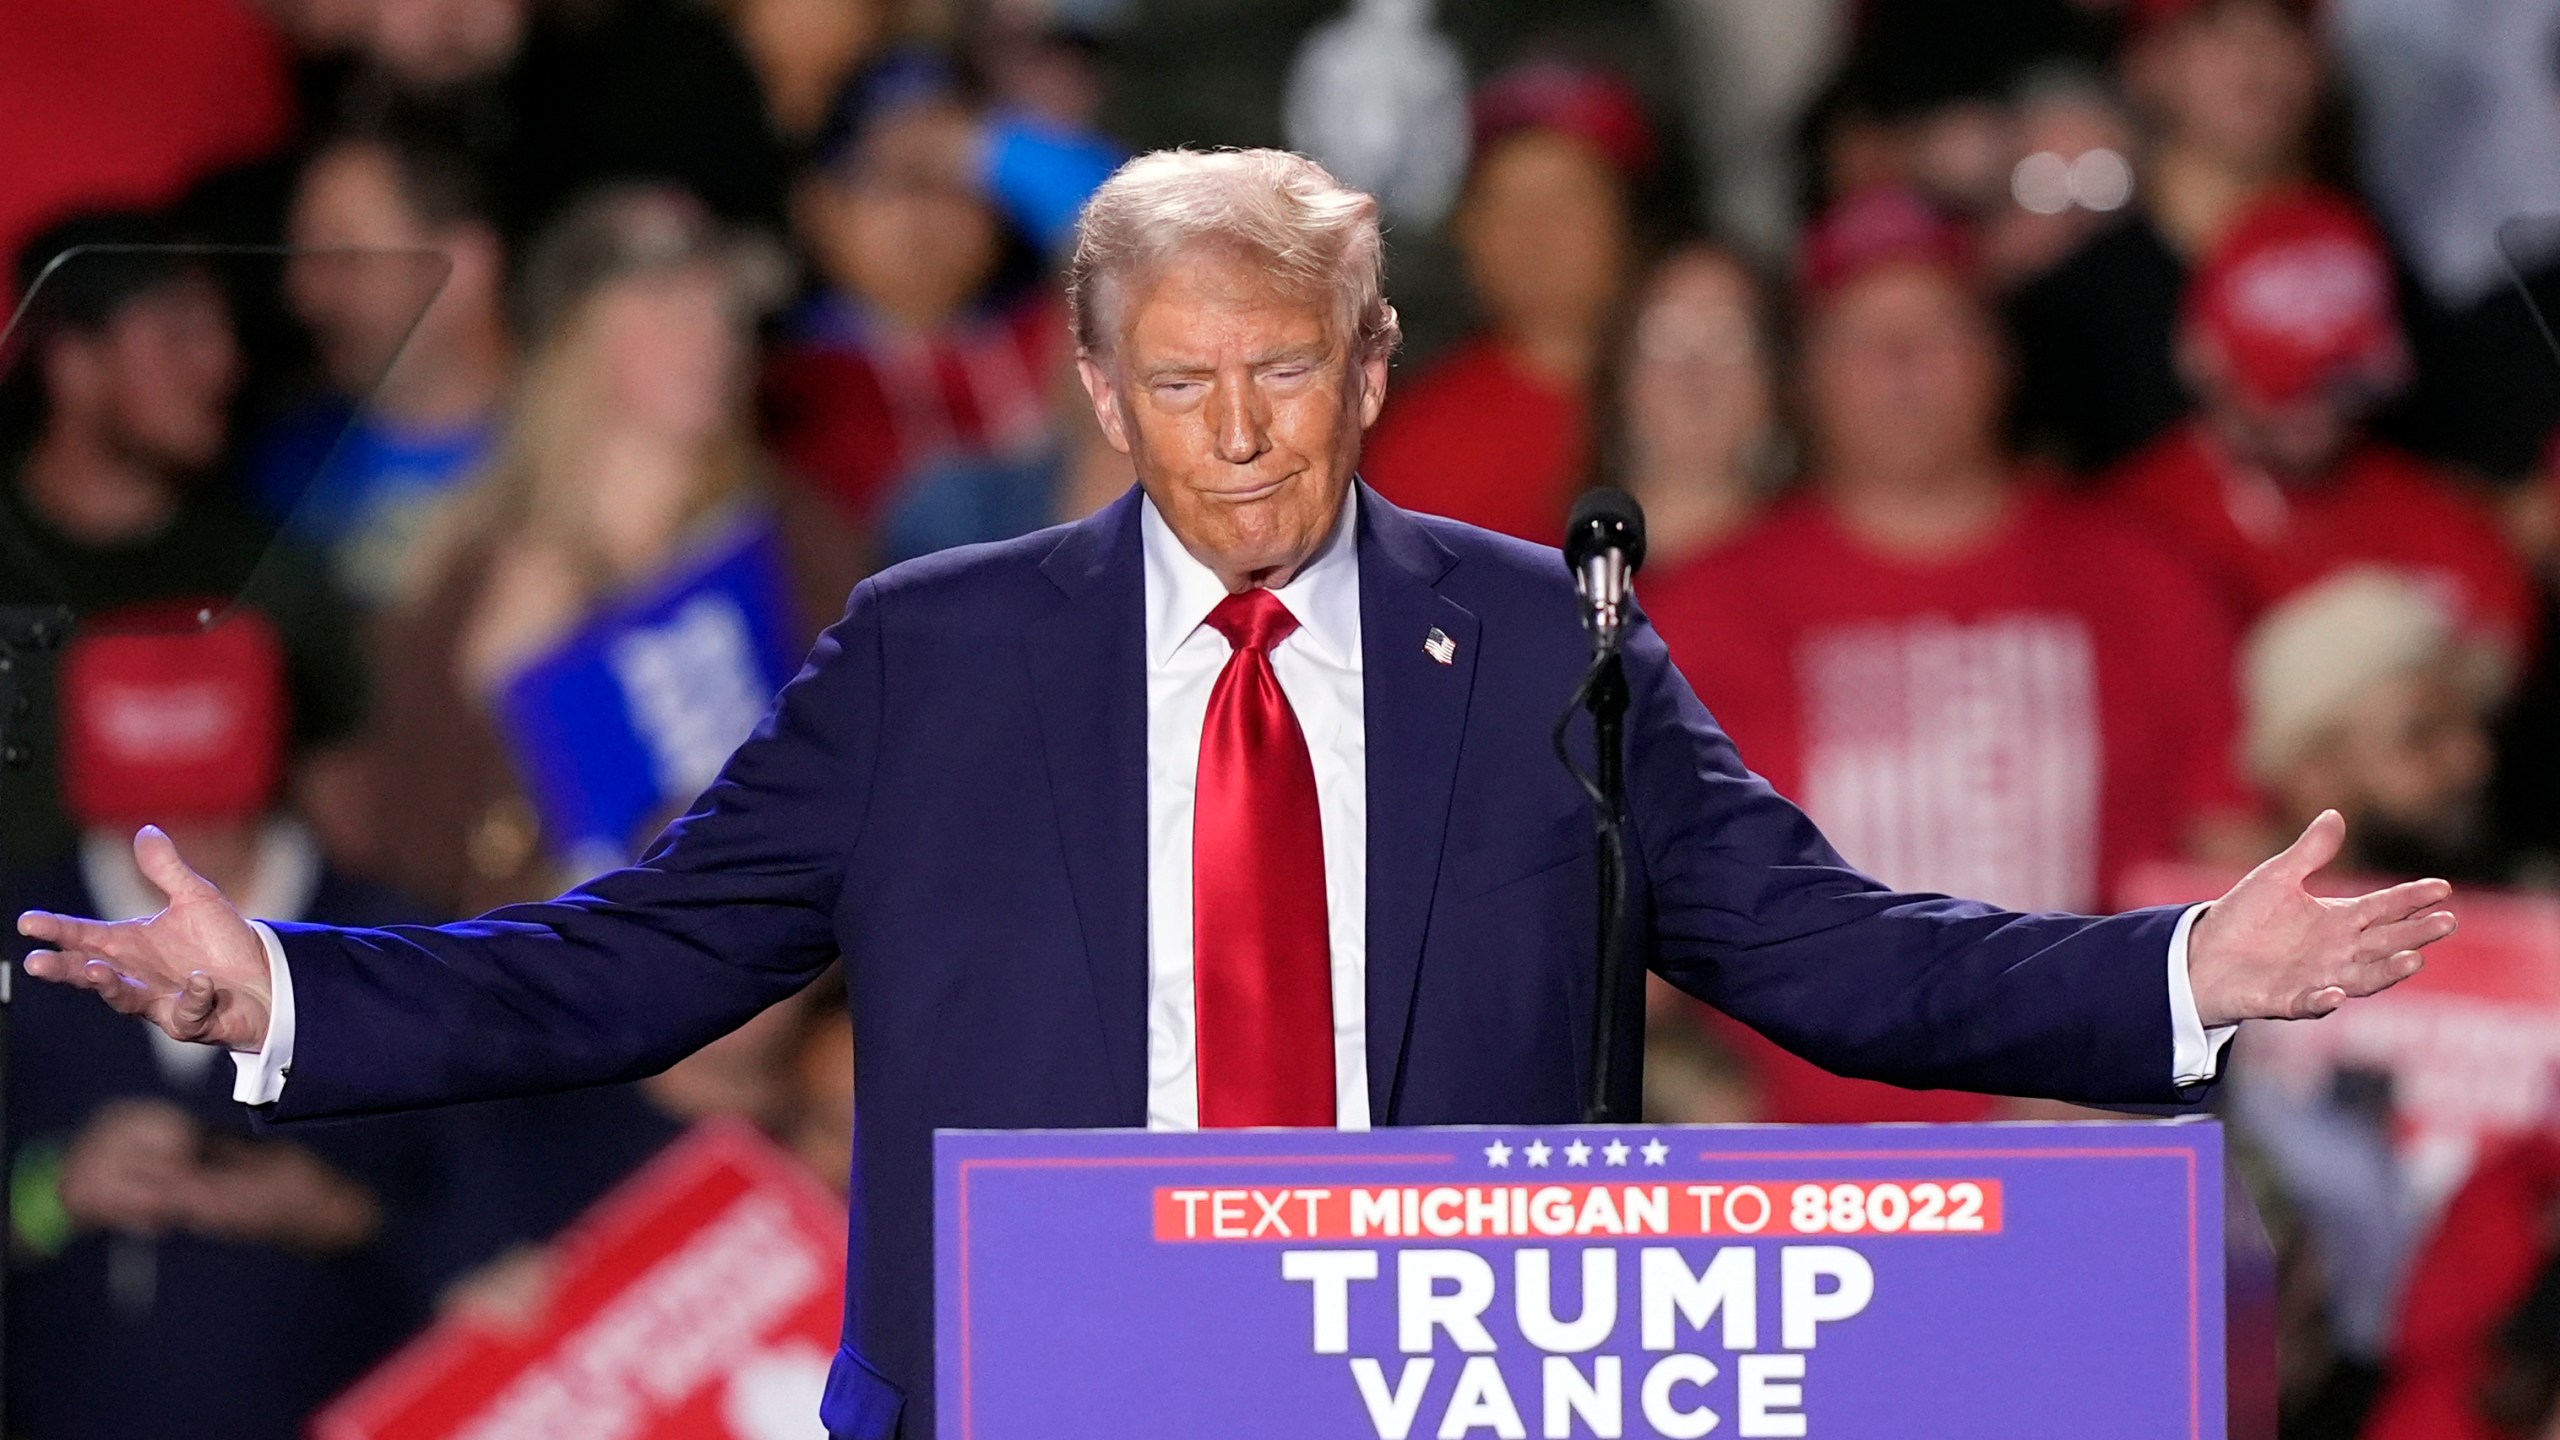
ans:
(1755, 913)
(731, 910)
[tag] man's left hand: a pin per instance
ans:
(2272, 950)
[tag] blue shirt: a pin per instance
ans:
(360, 489)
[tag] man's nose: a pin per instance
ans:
(1243, 430)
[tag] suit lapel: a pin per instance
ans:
(1087, 662)
(1415, 708)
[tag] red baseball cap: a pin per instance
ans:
(163, 721)
(1881, 225)
(2298, 298)
(1591, 105)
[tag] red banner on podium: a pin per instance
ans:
(699, 1301)
(2471, 1043)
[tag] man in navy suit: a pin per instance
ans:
(1233, 804)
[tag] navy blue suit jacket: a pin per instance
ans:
(953, 795)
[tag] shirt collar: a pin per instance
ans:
(1324, 596)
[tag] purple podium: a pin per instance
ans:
(2102, 1281)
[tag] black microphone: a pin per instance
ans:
(1603, 545)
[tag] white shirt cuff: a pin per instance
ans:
(261, 1072)
(2195, 1053)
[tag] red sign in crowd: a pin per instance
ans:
(700, 1300)
(2471, 1043)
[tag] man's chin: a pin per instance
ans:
(1265, 557)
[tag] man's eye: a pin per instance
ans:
(1179, 389)
(1286, 372)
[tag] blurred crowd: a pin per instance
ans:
(2076, 435)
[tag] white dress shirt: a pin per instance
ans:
(1319, 667)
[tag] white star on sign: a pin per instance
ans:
(1498, 1154)
(1616, 1150)
(1577, 1153)
(1538, 1152)
(1656, 1153)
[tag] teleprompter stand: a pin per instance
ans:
(26, 631)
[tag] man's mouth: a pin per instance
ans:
(1247, 494)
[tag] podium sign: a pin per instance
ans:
(1836, 1282)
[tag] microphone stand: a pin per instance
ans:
(26, 631)
(1601, 578)
(1604, 694)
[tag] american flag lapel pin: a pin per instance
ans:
(1440, 647)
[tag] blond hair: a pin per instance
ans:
(536, 486)
(1315, 236)
(2325, 647)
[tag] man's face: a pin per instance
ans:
(430, 44)
(2239, 82)
(1544, 234)
(894, 226)
(2299, 440)
(1902, 373)
(157, 379)
(1241, 408)
(1697, 377)
(358, 301)
(2408, 764)
(811, 37)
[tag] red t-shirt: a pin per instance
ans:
(2257, 542)
(127, 102)
(854, 409)
(2016, 723)
(1477, 438)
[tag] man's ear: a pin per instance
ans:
(1104, 392)
(1373, 387)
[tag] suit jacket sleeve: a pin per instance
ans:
(1755, 913)
(732, 909)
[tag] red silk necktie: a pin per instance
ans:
(1262, 963)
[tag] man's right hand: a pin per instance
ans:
(196, 969)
